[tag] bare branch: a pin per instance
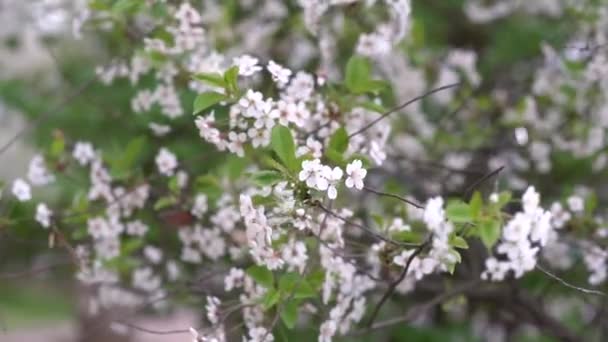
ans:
(567, 284)
(480, 181)
(403, 105)
(366, 229)
(403, 199)
(396, 283)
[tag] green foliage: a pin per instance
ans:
(266, 178)
(358, 78)
(458, 212)
(283, 145)
(289, 314)
(206, 100)
(489, 232)
(261, 275)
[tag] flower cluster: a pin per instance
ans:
(522, 237)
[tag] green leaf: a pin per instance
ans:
(215, 79)
(122, 6)
(205, 100)
(334, 156)
(209, 185)
(234, 167)
(590, 203)
(283, 145)
(130, 246)
(458, 212)
(504, 198)
(489, 232)
(475, 204)
(339, 140)
(124, 164)
(459, 242)
(231, 78)
(358, 77)
(288, 281)
(173, 185)
(57, 146)
(304, 290)
(261, 275)
(358, 72)
(165, 202)
(373, 106)
(289, 314)
(271, 298)
(316, 279)
(266, 178)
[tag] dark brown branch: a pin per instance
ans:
(366, 229)
(380, 193)
(472, 187)
(401, 106)
(395, 283)
(417, 310)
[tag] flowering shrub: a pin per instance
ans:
(302, 164)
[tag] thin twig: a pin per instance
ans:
(152, 331)
(480, 181)
(418, 309)
(395, 283)
(380, 193)
(45, 115)
(366, 229)
(567, 284)
(35, 271)
(401, 106)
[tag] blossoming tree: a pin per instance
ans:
(333, 169)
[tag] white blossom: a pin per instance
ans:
(166, 162)
(21, 190)
(43, 215)
(356, 173)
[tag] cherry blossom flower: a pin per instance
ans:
(166, 162)
(356, 173)
(21, 190)
(83, 152)
(247, 65)
(280, 75)
(43, 215)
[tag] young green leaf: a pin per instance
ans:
(489, 232)
(215, 79)
(459, 242)
(288, 281)
(458, 212)
(283, 145)
(165, 202)
(357, 75)
(271, 297)
(476, 204)
(231, 78)
(339, 140)
(261, 275)
(266, 178)
(205, 100)
(289, 314)
(304, 290)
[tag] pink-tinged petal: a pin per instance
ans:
(359, 185)
(332, 193)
